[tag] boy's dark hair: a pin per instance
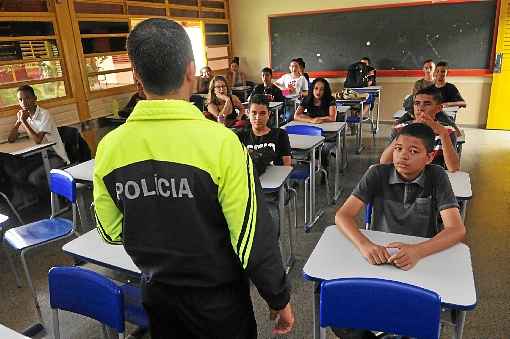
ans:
(301, 63)
(433, 91)
(160, 51)
(442, 64)
(427, 61)
(420, 131)
(267, 70)
(367, 59)
(296, 60)
(26, 89)
(259, 99)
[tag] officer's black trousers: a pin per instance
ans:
(224, 312)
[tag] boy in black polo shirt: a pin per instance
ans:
(407, 197)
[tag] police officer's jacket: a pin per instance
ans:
(180, 193)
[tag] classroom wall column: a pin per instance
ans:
(498, 117)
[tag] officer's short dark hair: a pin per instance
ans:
(420, 131)
(26, 89)
(160, 52)
(442, 64)
(267, 70)
(432, 91)
(259, 99)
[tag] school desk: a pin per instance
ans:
(376, 92)
(359, 132)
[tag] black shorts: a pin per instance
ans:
(224, 312)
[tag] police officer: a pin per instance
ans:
(180, 193)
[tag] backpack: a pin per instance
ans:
(357, 75)
(76, 148)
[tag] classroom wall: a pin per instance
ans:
(250, 41)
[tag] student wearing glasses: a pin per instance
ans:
(221, 104)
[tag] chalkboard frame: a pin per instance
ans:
(393, 73)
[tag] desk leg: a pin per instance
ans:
(317, 331)
(313, 218)
(277, 117)
(378, 110)
(338, 165)
(359, 135)
(47, 168)
(459, 320)
(281, 211)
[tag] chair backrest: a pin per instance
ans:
(63, 184)
(368, 215)
(85, 292)
(304, 130)
(382, 305)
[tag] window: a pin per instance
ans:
(30, 54)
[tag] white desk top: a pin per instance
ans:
(7, 333)
(451, 109)
(448, 273)
(461, 184)
(23, 147)
(354, 101)
(326, 126)
(82, 172)
(3, 218)
(376, 90)
(241, 88)
(274, 176)
(90, 247)
(304, 142)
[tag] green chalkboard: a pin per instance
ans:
(395, 38)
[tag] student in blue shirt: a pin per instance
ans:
(407, 196)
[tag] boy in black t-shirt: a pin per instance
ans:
(449, 92)
(267, 88)
(258, 135)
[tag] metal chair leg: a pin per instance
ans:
(56, 327)
(30, 284)
(11, 206)
(13, 268)
(307, 184)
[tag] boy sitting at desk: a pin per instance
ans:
(40, 127)
(267, 88)
(407, 196)
(258, 135)
(450, 93)
(428, 110)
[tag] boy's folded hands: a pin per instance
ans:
(403, 256)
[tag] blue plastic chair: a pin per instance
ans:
(380, 305)
(303, 173)
(42, 232)
(4, 227)
(85, 292)
(88, 293)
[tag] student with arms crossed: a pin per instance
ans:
(428, 110)
(179, 193)
(449, 92)
(235, 77)
(407, 196)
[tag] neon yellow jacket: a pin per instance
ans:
(180, 193)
